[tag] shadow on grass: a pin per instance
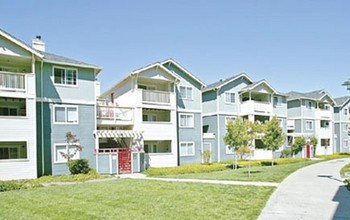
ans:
(252, 171)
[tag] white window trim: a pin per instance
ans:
(186, 98)
(77, 156)
(65, 68)
(181, 126)
(65, 106)
(21, 159)
(345, 127)
(194, 148)
(312, 125)
(229, 151)
(229, 93)
(347, 143)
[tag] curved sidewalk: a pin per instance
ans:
(313, 192)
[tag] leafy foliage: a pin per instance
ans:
(79, 166)
(191, 168)
(273, 135)
(206, 155)
(73, 146)
(17, 185)
(297, 146)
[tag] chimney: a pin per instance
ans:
(38, 44)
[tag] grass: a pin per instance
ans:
(258, 173)
(135, 199)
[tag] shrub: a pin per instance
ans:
(206, 155)
(333, 156)
(18, 184)
(347, 182)
(192, 168)
(286, 153)
(79, 166)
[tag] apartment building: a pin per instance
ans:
(311, 114)
(341, 124)
(239, 96)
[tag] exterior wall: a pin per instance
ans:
(19, 128)
(293, 108)
(233, 87)
(209, 102)
(81, 96)
(211, 123)
(341, 119)
(191, 135)
(281, 111)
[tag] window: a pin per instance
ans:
(309, 125)
(346, 127)
(345, 143)
(186, 120)
(186, 92)
(62, 148)
(229, 97)
(308, 104)
(345, 111)
(13, 150)
(230, 150)
(325, 142)
(146, 87)
(186, 149)
(65, 76)
(13, 106)
(157, 146)
(277, 101)
(65, 114)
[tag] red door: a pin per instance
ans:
(308, 151)
(124, 160)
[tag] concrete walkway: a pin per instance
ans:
(313, 192)
(223, 182)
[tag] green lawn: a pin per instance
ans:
(135, 199)
(259, 173)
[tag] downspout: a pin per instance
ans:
(42, 116)
(218, 122)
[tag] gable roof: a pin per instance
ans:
(170, 60)
(137, 71)
(48, 57)
(254, 85)
(313, 95)
(57, 59)
(221, 83)
(341, 101)
(20, 43)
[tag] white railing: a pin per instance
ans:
(156, 97)
(252, 106)
(12, 81)
(114, 113)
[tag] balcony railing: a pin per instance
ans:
(114, 113)
(155, 97)
(12, 81)
(252, 106)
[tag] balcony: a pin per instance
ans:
(12, 82)
(155, 97)
(256, 107)
(110, 115)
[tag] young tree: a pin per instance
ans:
(273, 136)
(297, 146)
(314, 142)
(72, 147)
(240, 136)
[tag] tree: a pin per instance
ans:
(273, 136)
(314, 142)
(240, 136)
(72, 147)
(297, 146)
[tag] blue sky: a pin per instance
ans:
(294, 45)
